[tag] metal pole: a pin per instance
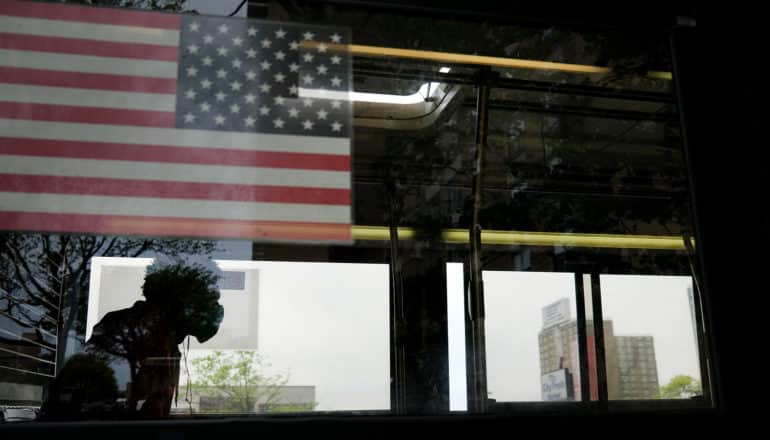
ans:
(585, 385)
(598, 321)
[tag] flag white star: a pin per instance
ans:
(235, 108)
(190, 94)
(308, 124)
(264, 110)
(221, 96)
(189, 118)
(192, 71)
(336, 82)
(308, 57)
(194, 26)
(207, 61)
(192, 48)
(307, 79)
(293, 90)
(237, 41)
(280, 33)
(279, 77)
(266, 43)
(250, 98)
(336, 59)
(336, 126)
(236, 63)
(307, 102)
(235, 85)
(222, 51)
(221, 73)
(252, 31)
(205, 107)
(219, 120)
(336, 104)
(251, 53)
(322, 114)
(208, 39)
(280, 55)
(223, 29)
(279, 100)
(205, 83)
(265, 65)
(249, 121)
(321, 69)
(294, 45)
(293, 112)
(278, 123)
(265, 87)
(322, 48)
(252, 75)
(336, 38)
(308, 35)
(293, 67)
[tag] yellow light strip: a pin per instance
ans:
(459, 58)
(493, 237)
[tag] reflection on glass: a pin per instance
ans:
(651, 342)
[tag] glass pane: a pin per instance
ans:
(649, 330)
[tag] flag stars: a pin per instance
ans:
(280, 55)
(251, 75)
(250, 98)
(278, 123)
(207, 61)
(252, 31)
(293, 112)
(336, 104)
(208, 39)
(237, 41)
(235, 109)
(249, 121)
(322, 48)
(294, 45)
(235, 86)
(205, 107)
(265, 65)
(206, 84)
(322, 69)
(280, 33)
(279, 100)
(192, 71)
(190, 94)
(308, 79)
(336, 59)
(322, 114)
(219, 120)
(264, 110)
(308, 57)
(194, 26)
(336, 126)
(307, 102)
(279, 77)
(294, 90)
(237, 63)
(223, 29)
(193, 48)
(308, 124)
(266, 43)
(221, 73)
(251, 53)
(336, 81)
(265, 87)
(189, 118)
(293, 67)
(221, 96)
(222, 51)
(308, 36)
(336, 38)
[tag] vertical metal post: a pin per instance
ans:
(398, 376)
(598, 321)
(582, 340)
(476, 285)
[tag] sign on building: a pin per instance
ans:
(556, 313)
(557, 385)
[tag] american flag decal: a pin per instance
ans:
(117, 121)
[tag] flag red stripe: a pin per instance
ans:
(157, 153)
(165, 226)
(88, 115)
(89, 14)
(171, 190)
(79, 46)
(94, 81)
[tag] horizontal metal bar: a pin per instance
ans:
(27, 356)
(47, 347)
(493, 237)
(27, 371)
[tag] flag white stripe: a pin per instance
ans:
(87, 64)
(90, 31)
(173, 137)
(171, 172)
(179, 208)
(87, 98)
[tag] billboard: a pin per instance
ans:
(557, 385)
(556, 313)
